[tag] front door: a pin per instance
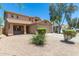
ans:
(18, 29)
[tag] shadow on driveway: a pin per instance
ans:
(67, 42)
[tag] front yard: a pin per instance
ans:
(21, 45)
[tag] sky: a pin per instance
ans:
(32, 9)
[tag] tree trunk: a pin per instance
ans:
(52, 28)
(59, 29)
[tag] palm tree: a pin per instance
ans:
(69, 10)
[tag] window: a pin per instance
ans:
(14, 16)
(36, 20)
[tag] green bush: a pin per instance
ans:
(69, 32)
(39, 39)
(41, 31)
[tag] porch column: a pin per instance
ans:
(10, 31)
(24, 29)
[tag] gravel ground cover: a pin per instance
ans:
(20, 45)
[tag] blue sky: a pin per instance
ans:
(32, 9)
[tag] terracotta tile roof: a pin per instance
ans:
(18, 21)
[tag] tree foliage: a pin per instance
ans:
(75, 22)
(56, 13)
(69, 10)
(60, 10)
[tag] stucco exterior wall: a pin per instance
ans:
(30, 24)
(47, 25)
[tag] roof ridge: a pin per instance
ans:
(16, 13)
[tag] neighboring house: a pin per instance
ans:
(65, 26)
(55, 27)
(20, 24)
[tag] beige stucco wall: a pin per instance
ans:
(10, 30)
(33, 27)
(5, 29)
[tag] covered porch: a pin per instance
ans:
(16, 28)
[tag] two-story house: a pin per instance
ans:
(21, 24)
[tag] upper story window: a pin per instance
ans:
(14, 16)
(36, 19)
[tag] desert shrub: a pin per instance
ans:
(41, 31)
(69, 34)
(39, 39)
